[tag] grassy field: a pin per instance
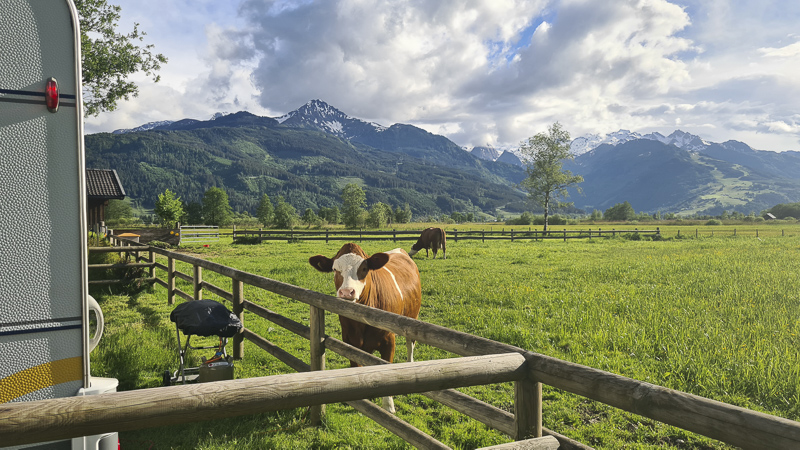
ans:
(713, 316)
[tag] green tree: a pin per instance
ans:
(620, 211)
(285, 215)
(109, 57)
(354, 200)
(310, 218)
(265, 211)
(118, 211)
(402, 215)
(547, 181)
(169, 208)
(379, 215)
(216, 208)
(193, 213)
(330, 215)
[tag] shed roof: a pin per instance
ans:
(104, 184)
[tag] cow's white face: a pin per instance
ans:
(350, 276)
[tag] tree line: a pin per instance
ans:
(215, 209)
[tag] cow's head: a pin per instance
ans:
(351, 267)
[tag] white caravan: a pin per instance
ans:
(44, 304)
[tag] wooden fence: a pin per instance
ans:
(198, 233)
(29, 422)
(413, 235)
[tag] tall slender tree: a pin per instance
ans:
(354, 200)
(265, 211)
(547, 180)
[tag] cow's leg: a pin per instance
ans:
(386, 349)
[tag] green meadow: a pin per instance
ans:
(716, 316)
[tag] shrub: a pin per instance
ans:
(714, 222)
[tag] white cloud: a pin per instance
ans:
(485, 71)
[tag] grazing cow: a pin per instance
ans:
(388, 281)
(432, 238)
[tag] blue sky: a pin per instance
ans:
(481, 72)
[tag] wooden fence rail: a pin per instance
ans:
(737, 426)
(63, 418)
(413, 235)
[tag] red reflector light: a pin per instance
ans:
(51, 95)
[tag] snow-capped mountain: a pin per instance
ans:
(145, 127)
(163, 124)
(678, 138)
(485, 152)
(322, 116)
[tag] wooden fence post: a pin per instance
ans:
(483, 236)
(170, 280)
(238, 310)
(326, 235)
(198, 282)
(512, 235)
(527, 409)
(152, 259)
(317, 340)
(394, 235)
(565, 235)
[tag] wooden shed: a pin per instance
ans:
(102, 185)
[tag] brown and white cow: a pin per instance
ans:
(431, 238)
(388, 281)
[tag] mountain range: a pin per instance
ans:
(308, 155)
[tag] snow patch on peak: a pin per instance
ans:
(677, 138)
(145, 127)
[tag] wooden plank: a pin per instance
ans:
(183, 295)
(123, 281)
(64, 418)
(237, 288)
(183, 276)
(119, 249)
(119, 265)
(170, 281)
(282, 355)
(369, 409)
(540, 443)
(527, 409)
(216, 290)
(197, 282)
(282, 321)
(317, 351)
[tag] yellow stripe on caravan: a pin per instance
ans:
(39, 377)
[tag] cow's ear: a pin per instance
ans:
(377, 261)
(321, 263)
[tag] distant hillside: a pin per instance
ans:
(654, 176)
(249, 155)
(309, 154)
